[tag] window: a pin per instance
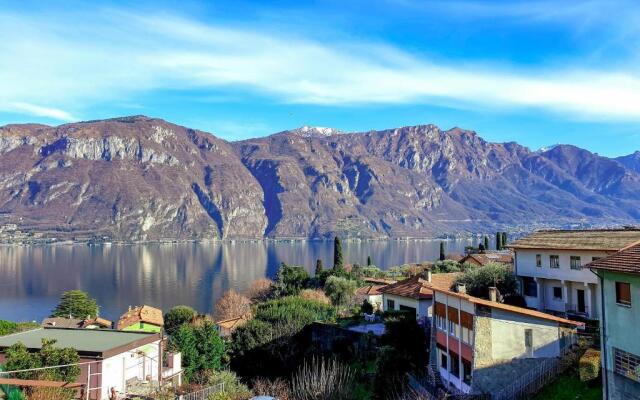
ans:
(441, 323)
(453, 328)
(407, 308)
(554, 261)
(530, 286)
(539, 260)
(467, 336)
(574, 262)
(528, 342)
(443, 360)
(391, 305)
(623, 293)
(455, 365)
(557, 293)
(626, 364)
(466, 371)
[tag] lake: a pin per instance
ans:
(163, 275)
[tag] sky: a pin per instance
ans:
(537, 72)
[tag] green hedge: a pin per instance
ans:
(589, 365)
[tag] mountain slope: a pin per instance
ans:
(631, 161)
(139, 178)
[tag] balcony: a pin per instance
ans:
(575, 309)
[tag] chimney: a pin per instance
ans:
(493, 293)
(462, 288)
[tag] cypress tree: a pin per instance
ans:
(337, 254)
(369, 261)
(486, 242)
(442, 256)
(504, 239)
(498, 241)
(319, 267)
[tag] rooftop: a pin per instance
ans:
(510, 308)
(418, 287)
(626, 260)
(146, 314)
(486, 258)
(88, 342)
(369, 290)
(593, 239)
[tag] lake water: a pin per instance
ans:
(163, 275)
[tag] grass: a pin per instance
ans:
(569, 387)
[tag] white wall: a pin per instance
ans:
(118, 369)
(508, 332)
(526, 265)
(423, 307)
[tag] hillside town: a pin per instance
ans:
(548, 315)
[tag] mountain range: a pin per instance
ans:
(140, 178)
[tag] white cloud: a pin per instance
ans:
(40, 111)
(76, 62)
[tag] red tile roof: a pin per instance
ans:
(369, 290)
(507, 307)
(418, 287)
(146, 314)
(486, 258)
(626, 260)
(592, 239)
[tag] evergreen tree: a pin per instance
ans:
(369, 261)
(504, 239)
(498, 241)
(442, 255)
(486, 242)
(319, 267)
(338, 263)
(76, 304)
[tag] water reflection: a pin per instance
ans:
(196, 274)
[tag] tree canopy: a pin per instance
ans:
(176, 317)
(76, 304)
(478, 280)
(340, 290)
(201, 347)
(338, 262)
(18, 357)
(290, 280)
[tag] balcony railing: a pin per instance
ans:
(575, 309)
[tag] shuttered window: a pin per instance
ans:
(623, 293)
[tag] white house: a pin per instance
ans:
(549, 266)
(109, 359)
(482, 346)
(415, 294)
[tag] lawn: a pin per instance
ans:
(569, 387)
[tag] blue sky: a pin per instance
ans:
(537, 72)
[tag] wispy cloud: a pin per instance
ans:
(78, 61)
(39, 111)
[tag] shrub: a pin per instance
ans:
(322, 379)
(9, 327)
(201, 347)
(260, 290)
(589, 365)
(479, 280)
(232, 305)
(315, 295)
(290, 280)
(18, 357)
(233, 388)
(445, 266)
(253, 334)
(366, 307)
(340, 290)
(176, 317)
(75, 304)
(278, 388)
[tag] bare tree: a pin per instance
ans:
(260, 290)
(232, 305)
(322, 379)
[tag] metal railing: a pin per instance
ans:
(202, 394)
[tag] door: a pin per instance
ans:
(580, 294)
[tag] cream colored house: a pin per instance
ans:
(549, 267)
(482, 346)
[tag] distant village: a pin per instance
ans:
(549, 315)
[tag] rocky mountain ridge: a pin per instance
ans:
(140, 178)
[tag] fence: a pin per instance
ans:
(202, 394)
(537, 378)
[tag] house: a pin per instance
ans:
(549, 267)
(482, 259)
(227, 326)
(108, 358)
(453, 257)
(415, 294)
(372, 294)
(619, 279)
(143, 319)
(482, 346)
(91, 323)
